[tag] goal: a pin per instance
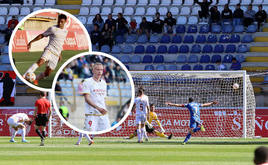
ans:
(234, 116)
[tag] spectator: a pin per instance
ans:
(157, 24)
(249, 16)
(133, 26)
(119, 75)
(260, 16)
(98, 20)
(121, 24)
(238, 15)
(226, 15)
(12, 22)
(235, 65)
(107, 36)
(85, 71)
(215, 15)
(144, 27)
(204, 12)
(170, 23)
(261, 156)
(95, 35)
(80, 87)
(111, 71)
(111, 22)
(220, 66)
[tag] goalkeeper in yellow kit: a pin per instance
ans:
(149, 128)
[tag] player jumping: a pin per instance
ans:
(149, 128)
(16, 122)
(195, 122)
(52, 52)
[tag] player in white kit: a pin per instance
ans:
(141, 104)
(95, 91)
(52, 53)
(16, 122)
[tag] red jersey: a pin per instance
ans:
(43, 105)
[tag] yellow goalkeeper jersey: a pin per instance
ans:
(153, 116)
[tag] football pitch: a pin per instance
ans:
(25, 60)
(118, 151)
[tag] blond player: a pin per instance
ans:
(52, 52)
(95, 90)
(16, 122)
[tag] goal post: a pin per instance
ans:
(234, 116)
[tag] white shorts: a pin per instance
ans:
(140, 119)
(50, 58)
(97, 123)
(12, 123)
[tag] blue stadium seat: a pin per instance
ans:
(149, 67)
(196, 49)
(127, 49)
(205, 59)
(176, 39)
(242, 49)
(188, 39)
(116, 49)
(180, 29)
(173, 49)
(216, 29)
(162, 49)
(230, 48)
(224, 39)
(207, 49)
(159, 59)
(172, 67)
(247, 39)
(227, 58)
(142, 39)
(215, 58)
(227, 28)
(136, 59)
(4, 59)
(119, 39)
(218, 48)
(240, 58)
(265, 81)
(184, 49)
(150, 49)
(192, 29)
(198, 67)
(210, 67)
(235, 38)
(252, 29)
(181, 59)
(204, 29)
(200, 39)
(239, 29)
(193, 59)
(5, 51)
(139, 49)
(131, 38)
(154, 38)
(212, 38)
(125, 59)
(147, 59)
(105, 49)
(186, 67)
(160, 67)
(94, 48)
(165, 39)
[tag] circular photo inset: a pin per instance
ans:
(42, 42)
(93, 93)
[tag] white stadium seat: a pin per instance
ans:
(195, 10)
(142, 3)
(106, 11)
(94, 10)
(255, 8)
(192, 20)
(151, 11)
(140, 11)
(20, 18)
(174, 11)
(8, 18)
(265, 8)
(245, 2)
(3, 11)
(25, 11)
(138, 19)
(154, 3)
(232, 8)
(82, 19)
(117, 10)
(182, 20)
(129, 11)
(265, 3)
(13, 11)
(185, 11)
(234, 2)
(244, 8)
(86, 2)
(96, 2)
(188, 2)
(2, 20)
(165, 2)
(50, 2)
(120, 2)
(162, 10)
(127, 18)
(90, 19)
(37, 8)
(108, 2)
(84, 11)
(39, 2)
(27, 2)
(223, 2)
(178, 2)
(131, 2)
(149, 18)
(220, 8)
(258, 2)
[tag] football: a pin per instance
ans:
(30, 76)
(235, 86)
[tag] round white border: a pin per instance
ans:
(17, 27)
(100, 54)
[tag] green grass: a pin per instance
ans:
(25, 60)
(117, 151)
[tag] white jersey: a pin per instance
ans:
(97, 91)
(56, 39)
(141, 105)
(15, 119)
